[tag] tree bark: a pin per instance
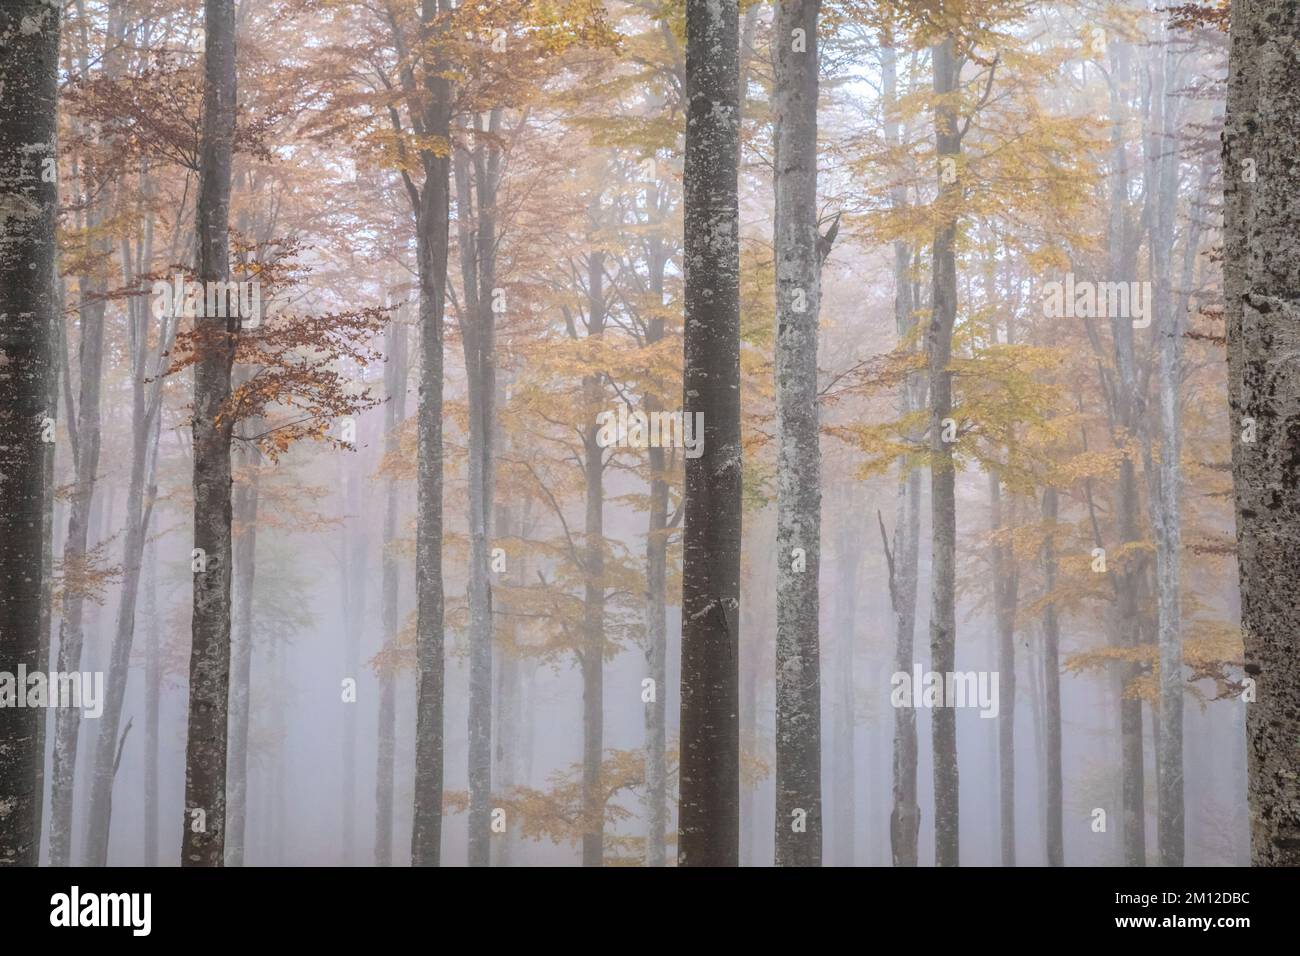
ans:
(395, 376)
(1262, 258)
(205, 751)
(905, 816)
(798, 533)
(1052, 674)
(29, 59)
(709, 810)
(943, 505)
(432, 240)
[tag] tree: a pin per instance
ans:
(203, 842)
(709, 809)
(29, 58)
(1262, 257)
(798, 536)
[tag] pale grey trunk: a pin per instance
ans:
(709, 818)
(153, 698)
(1005, 587)
(395, 376)
(477, 238)
(592, 657)
(1128, 576)
(241, 663)
(798, 531)
(1262, 259)
(1166, 514)
(28, 309)
(943, 506)
(353, 589)
(905, 814)
(1052, 687)
(146, 412)
(431, 240)
(203, 834)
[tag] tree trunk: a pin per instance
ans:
(1262, 258)
(28, 309)
(153, 698)
(478, 333)
(1006, 589)
(146, 411)
(905, 816)
(1166, 512)
(432, 239)
(709, 810)
(1052, 674)
(943, 505)
(798, 533)
(203, 839)
(241, 663)
(593, 622)
(395, 376)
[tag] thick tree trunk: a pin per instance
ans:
(709, 810)
(943, 505)
(1262, 259)
(204, 816)
(29, 56)
(432, 241)
(798, 532)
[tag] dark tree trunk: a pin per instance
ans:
(709, 810)
(28, 307)
(204, 835)
(1262, 259)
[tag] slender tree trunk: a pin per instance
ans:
(1262, 259)
(146, 410)
(798, 534)
(1052, 673)
(432, 241)
(1006, 588)
(593, 624)
(355, 545)
(395, 375)
(241, 662)
(1128, 575)
(29, 59)
(905, 815)
(943, 505)
(1167, 519)
(709, 810)
(153, 698)
(478, 333)
(204, 823)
